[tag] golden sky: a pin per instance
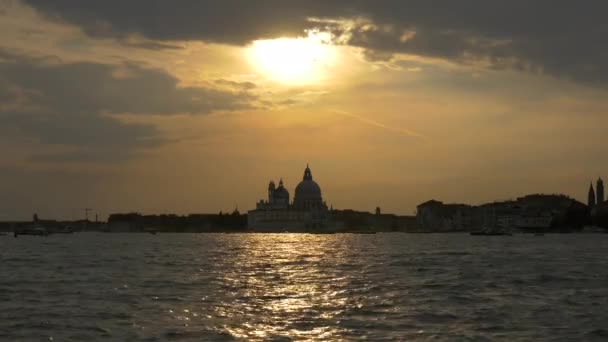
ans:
(156, 108)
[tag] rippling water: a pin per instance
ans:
(303, 287)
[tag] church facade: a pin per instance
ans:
(307, 212)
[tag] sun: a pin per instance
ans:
(293, 60)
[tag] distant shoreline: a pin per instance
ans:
(316, 233)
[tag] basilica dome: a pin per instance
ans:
(308, 192)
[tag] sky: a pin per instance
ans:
(193, 106)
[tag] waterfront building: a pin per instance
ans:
(534, 219)
(276, 214)
(529, 213)
(591, 197)
(437, 216)
(599, 198)
(599, 209)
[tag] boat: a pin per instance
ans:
(491, 232)
(35, 229)
(151, 230)
(64, 230)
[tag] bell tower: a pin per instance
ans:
(591, 197)
(271, 189)
(599, 188)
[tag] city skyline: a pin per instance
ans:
(193, 108)
(288, 170)
(595, 197)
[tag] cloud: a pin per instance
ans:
(235, 84)
(223, 21)
(78, 105)
(88, 138)
(556, 37)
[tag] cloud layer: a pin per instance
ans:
(70, 105)
(557, 37)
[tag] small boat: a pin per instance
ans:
(36, 230)
(152, 231)
(491, 232)
(65, 230)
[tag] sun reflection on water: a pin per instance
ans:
(281, 287)
(227, 287)
(287, 290)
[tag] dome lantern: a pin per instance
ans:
(307, 174)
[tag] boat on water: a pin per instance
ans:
(491, 232)
(36, 229)
(151, 230)
(64, 230)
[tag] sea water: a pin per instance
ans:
(225, 287)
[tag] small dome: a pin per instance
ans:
(281, 192)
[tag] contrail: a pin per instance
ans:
(403, 131)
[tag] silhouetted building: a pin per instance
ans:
(437, 216)
(193, 223)
(599, 198)
(308, 210)
(349, 220)
(599, 209)
(278, 197)
(308, 193)
(536, 212)
(591, 197)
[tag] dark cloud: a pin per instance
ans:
(150, 45)
(224, 21)
(89, 137)
(69, 105)
(558, 37)
(235, 85)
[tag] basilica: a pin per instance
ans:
(278, 214)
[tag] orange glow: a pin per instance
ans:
(293, 60)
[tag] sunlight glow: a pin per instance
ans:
(293, 60)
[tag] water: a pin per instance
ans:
(303, 287)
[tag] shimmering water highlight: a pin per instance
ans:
(303, 287)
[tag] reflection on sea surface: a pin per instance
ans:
(283, 289)
(303, 287)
